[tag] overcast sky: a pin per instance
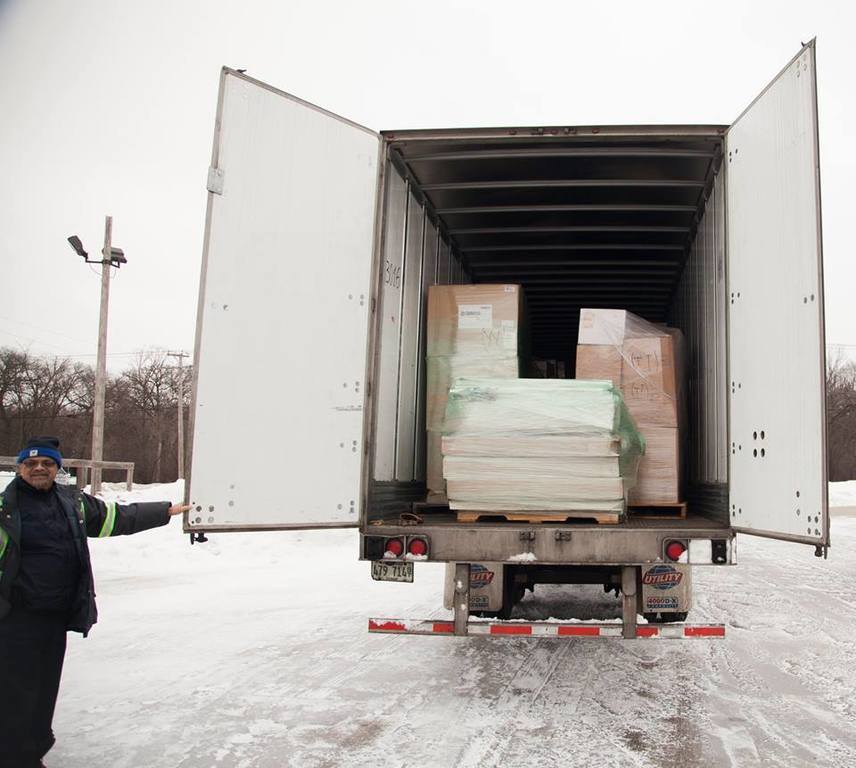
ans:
(108, 107)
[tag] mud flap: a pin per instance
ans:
(666, 589)
(486, 587)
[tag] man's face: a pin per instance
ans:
(39, 471)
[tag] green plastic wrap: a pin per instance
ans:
(538, 444)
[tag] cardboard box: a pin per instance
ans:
(650, 381)
(474, 320)
(434, 467)
(646, 363)
(473, 330)
(599, 362)
(658, 480)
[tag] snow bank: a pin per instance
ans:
(842, 494)
(118, 492)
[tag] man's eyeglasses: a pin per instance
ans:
(35, 463)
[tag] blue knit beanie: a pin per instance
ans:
(41, 446)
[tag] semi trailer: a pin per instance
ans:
(322, 238)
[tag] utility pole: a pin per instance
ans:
(101, 365)
(180, 356)
(110, 257)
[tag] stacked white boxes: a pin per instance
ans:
(548, 445)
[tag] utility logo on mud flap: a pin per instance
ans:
(480, 576)
(662, 577)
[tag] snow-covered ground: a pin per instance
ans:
(252, 651)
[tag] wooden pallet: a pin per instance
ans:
(676, 510)
(601, 518)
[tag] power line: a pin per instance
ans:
(38, 328)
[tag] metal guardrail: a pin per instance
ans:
(84, 467)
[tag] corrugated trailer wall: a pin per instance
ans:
(430, 243)
(386, 383)
(700, 312)
(415, 255)
(409, 347)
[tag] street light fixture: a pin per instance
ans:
(116, 255)
(78, 246)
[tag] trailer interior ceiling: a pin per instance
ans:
(604, 220)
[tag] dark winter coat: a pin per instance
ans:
(86, 516)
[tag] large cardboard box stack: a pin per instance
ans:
(548, 445)
(646, 362)
(475, 331)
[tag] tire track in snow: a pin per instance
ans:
(516, 713)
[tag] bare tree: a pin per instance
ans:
(55, 396)
(841, 418)
(150, 388)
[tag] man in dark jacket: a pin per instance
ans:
(47, 588)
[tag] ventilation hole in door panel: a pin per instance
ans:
(763, 453)
(798, 513)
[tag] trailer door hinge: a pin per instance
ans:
(563, 535)
(527, 535)
(215, 181)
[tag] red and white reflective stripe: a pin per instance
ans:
(541, 629)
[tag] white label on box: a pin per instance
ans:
(475, 316)
(509, 333)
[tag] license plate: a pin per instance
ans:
(382, 571)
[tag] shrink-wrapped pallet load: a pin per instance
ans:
(646, 362)
(545, 445)
(473, 331)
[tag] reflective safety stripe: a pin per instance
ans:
(109, 521)
(545, 629)
(4, 538)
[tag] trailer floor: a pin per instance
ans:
(251, 651)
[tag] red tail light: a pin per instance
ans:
(674, 550)
(394, 548)
(417, 547)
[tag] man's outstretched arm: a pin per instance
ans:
(108, 518)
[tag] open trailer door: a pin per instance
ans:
(283, 318)
(777, 358)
